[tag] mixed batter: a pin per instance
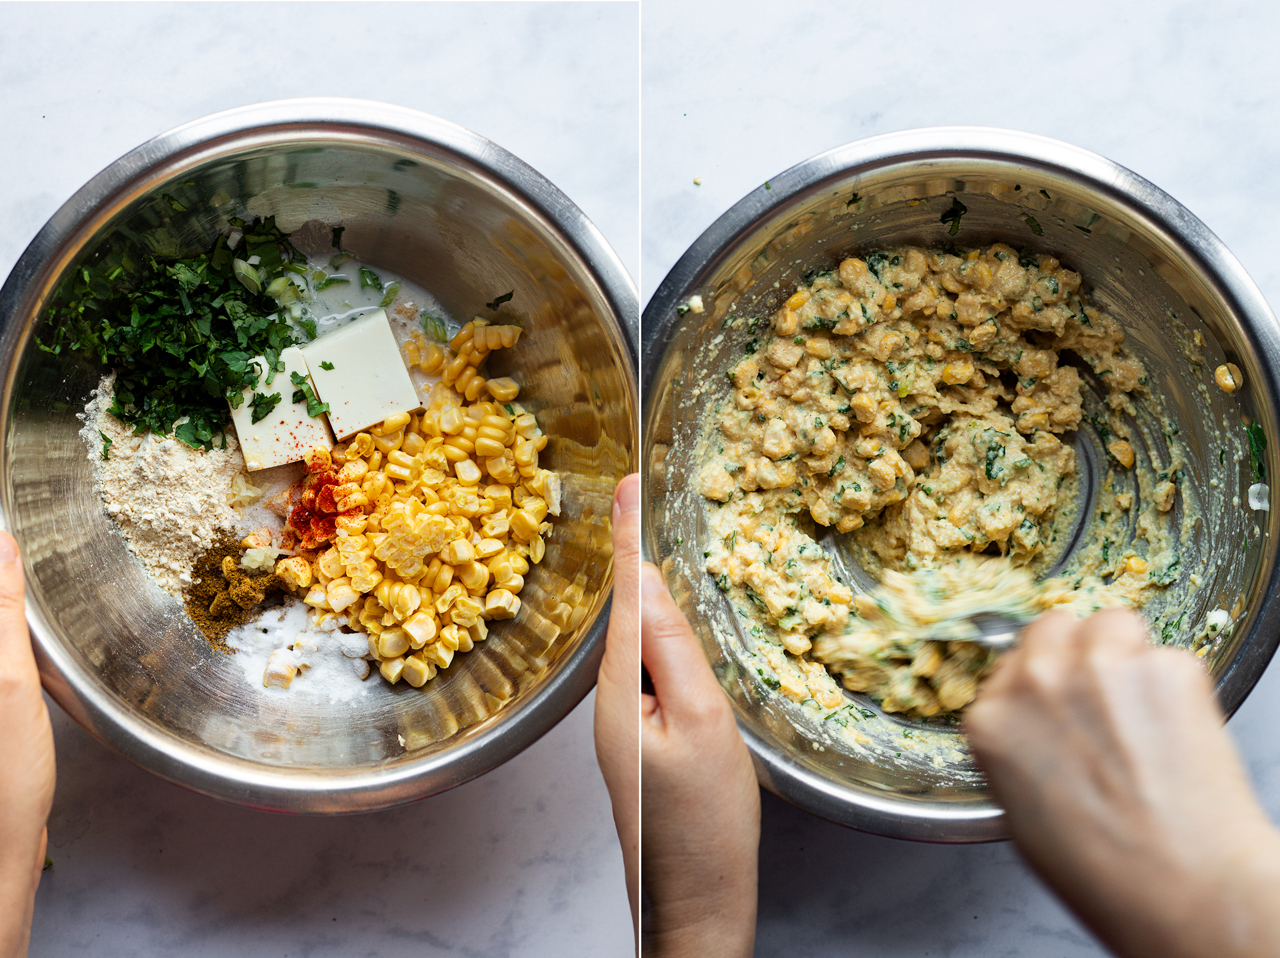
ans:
(916, 400)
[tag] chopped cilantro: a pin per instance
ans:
(1257, 448)
(179, 332)
(326, 365)
(262, 404)
(953, 214)
(106, 445)
(304, 393)
(499, 300)
(1035, 227)
(369, 279)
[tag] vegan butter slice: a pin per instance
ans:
(368, 381)
(286, 433)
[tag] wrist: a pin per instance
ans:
(698, 914)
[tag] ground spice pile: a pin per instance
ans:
(223, 596)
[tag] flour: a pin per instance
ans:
(169, 500)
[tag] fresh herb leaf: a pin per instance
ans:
(953, 214)
(1035, 226)
(499, 300)
(326, 365)
(106, 445)
(369, 279)
(262, 404)
(309, 325)
(178, 331)
(304, 393)
(1257, 449)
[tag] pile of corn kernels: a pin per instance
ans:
(436, 515)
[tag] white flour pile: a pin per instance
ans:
(169, 500)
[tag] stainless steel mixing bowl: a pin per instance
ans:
(1144, 258)
(448, 210)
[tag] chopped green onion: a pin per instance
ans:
(249, 277)
(434, 328)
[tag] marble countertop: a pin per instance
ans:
(521, 862)
(736, 93)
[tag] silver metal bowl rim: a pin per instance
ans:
(780, 773)
(204, 770)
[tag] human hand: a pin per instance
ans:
(618, 686)
(1124, 791)
(700, 800)
(26, 758)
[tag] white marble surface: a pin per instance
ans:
(735, 93)
(522, 862)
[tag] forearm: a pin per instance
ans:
(723, 929)
(21, 861)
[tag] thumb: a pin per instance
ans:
(682, 678)
(15, 640)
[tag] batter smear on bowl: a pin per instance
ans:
(916, 400)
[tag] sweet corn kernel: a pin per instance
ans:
(1228, 377)
(501, 604)
(295, 571)
(392, 669)
(468, 472)
(417, 671)
(958, 372)
(503, 389)
(457, 552)
(421, 629)
(1122, 452)
(393, 642)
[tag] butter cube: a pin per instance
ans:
(287, 432)
(368, 380)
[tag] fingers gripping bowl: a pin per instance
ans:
(1186, 306)
(447, 210)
